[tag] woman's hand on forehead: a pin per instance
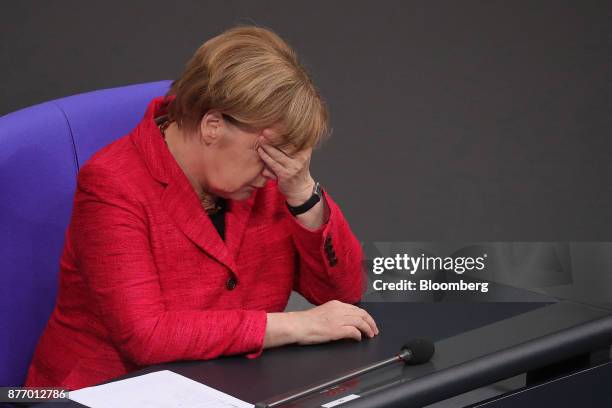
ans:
(292, 171)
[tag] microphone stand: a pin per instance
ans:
(404, 355)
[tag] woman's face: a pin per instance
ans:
(231, 166)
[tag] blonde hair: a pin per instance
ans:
(252, 75)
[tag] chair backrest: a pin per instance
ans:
(41, 148)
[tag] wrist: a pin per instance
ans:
(301, 196)
(294, 326)
(281, 329)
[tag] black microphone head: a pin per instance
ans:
(421, 351)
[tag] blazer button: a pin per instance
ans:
(231, 283)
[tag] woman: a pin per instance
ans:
(188, 234)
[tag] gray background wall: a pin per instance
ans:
(464, 121)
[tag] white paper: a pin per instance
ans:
(342, 400)
(161, 389)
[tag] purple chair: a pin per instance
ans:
(41, 150)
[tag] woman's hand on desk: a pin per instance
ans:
(333, 320)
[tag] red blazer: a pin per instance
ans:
(144, 273)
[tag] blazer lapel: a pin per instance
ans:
(183, 206)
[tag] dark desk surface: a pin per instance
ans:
(462, 331)
(292, 367)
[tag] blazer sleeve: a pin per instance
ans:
(110, 238)
(330, 259)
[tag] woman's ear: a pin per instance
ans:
(211, 126)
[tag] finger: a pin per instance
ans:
(349, 332)
(276, 153)
(359, 323)
(273, 139)
(369, 319)
(272, 164)
(266, 172)
(365, 316)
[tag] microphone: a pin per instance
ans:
(416, 351)
(420, 350)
